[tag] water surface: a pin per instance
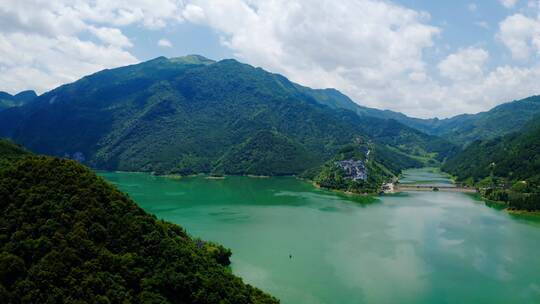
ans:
(425, 247)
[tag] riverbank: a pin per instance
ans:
(522, 212)
(503, 206)
(344, 192)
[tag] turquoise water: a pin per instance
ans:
(425, 176)
(424, 247)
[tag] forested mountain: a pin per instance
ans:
(501, 120)
(7, 100)
(509, 164)
(67, 236)
(191, 114)
(462, 129)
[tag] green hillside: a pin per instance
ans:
(462, 129)
(499, 121)
(9, 150)
(362, 168)
(507, 167)
(192, 115)
(67, 236)
(265, 153)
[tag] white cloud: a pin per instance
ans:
(112, 36)
(520, 34)
(150, 13)
(45, 62)
(164, 43)
(482, 24)
(502, 84)
(371, 50)
(42, 43)
(472, 7)
(364, 47)
(508, 3)
(193, 13)
(466, 64)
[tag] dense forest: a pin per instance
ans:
(505, 169)
(67, 236)
(461, 129)
(10, 150)
(193, 115)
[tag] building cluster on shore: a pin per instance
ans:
(355, 169)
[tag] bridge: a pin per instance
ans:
(408, 188)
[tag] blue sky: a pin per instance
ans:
(423, 58)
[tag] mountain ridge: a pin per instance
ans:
(8, 101)
(183, 115)
(505, 169)
(460, 129)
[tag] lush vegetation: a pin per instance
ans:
(380, 163)
(67, 236)
(192, 115)
(387, 127)
(265, 153)
(8, 101)
(461, 129)
(10, 150)
(465, 129)
(505, 169)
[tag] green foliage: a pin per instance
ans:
(381, 163)
(10, 150)
(394, 160)
(265, 153)
(509, 166)
(462, 129)
(519, 186)
(219, 253)
(67, 236)
(499, 121)
(192, 115)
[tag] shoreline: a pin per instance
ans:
(345, 192)
(503, 206)
(519, 212)
(260, 176)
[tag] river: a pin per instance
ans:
(306, 245)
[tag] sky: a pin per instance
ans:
(423, 58)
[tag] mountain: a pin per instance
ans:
(337, 100)
(508, 166)
(7, 100)
(501, 120)
(67, 236)
(190, 115)
(515, 156)
(462, 129)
